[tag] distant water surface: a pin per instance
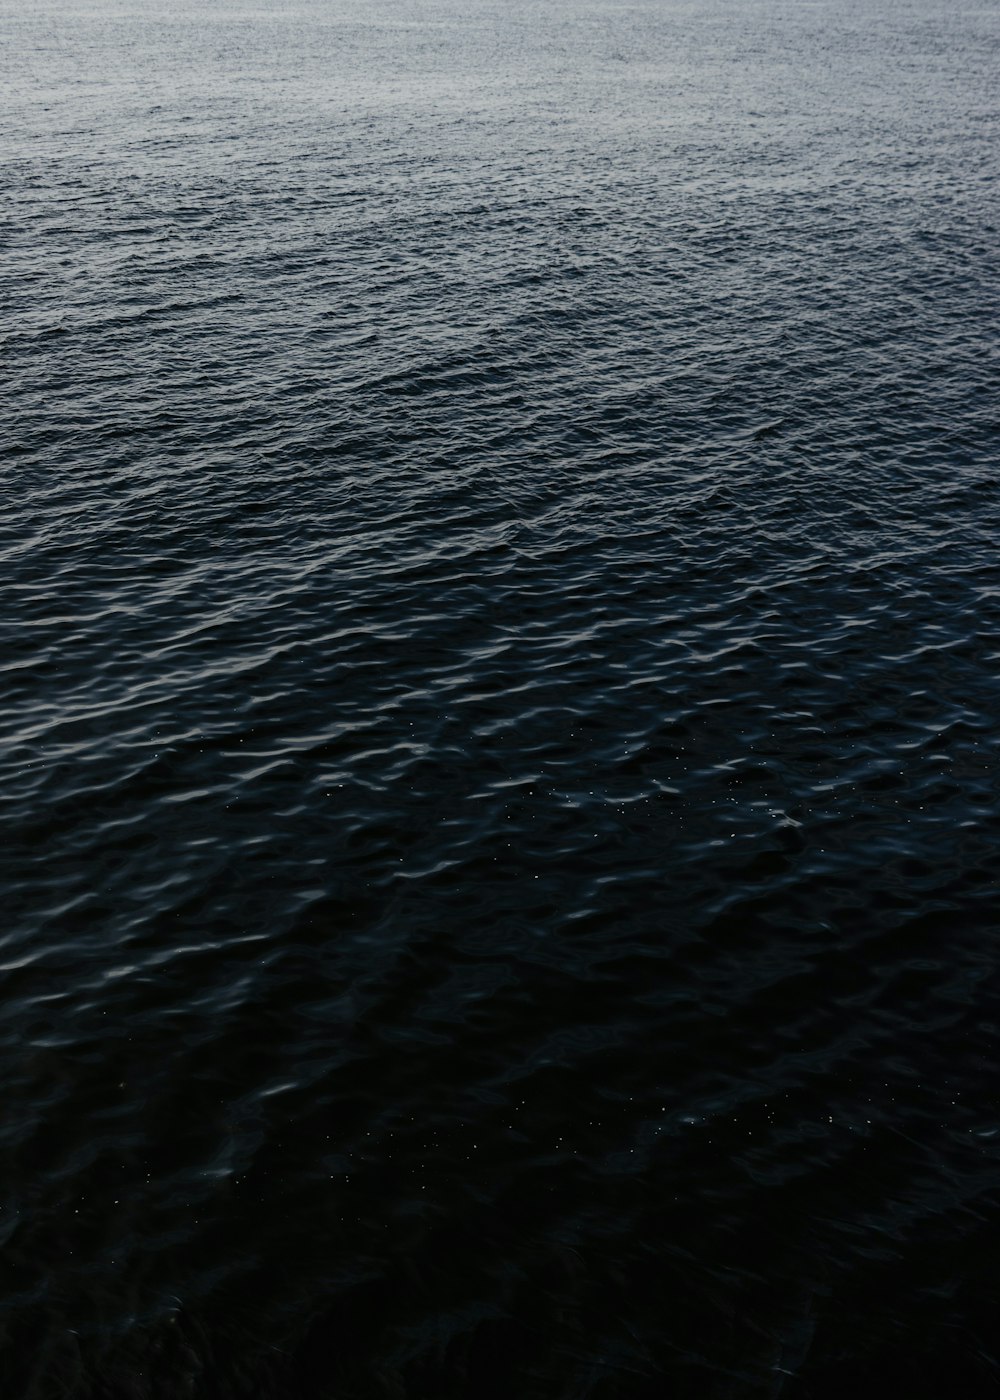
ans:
(500, 713)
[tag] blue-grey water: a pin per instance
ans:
(500, 711)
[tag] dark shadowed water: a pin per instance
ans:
(500, 700)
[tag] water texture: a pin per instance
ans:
(500, 707)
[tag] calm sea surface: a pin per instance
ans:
(500, 711)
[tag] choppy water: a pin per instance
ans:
(500, 716)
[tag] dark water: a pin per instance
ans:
(501, 700)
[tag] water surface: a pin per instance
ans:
(501, 712)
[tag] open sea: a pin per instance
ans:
(499, 699)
